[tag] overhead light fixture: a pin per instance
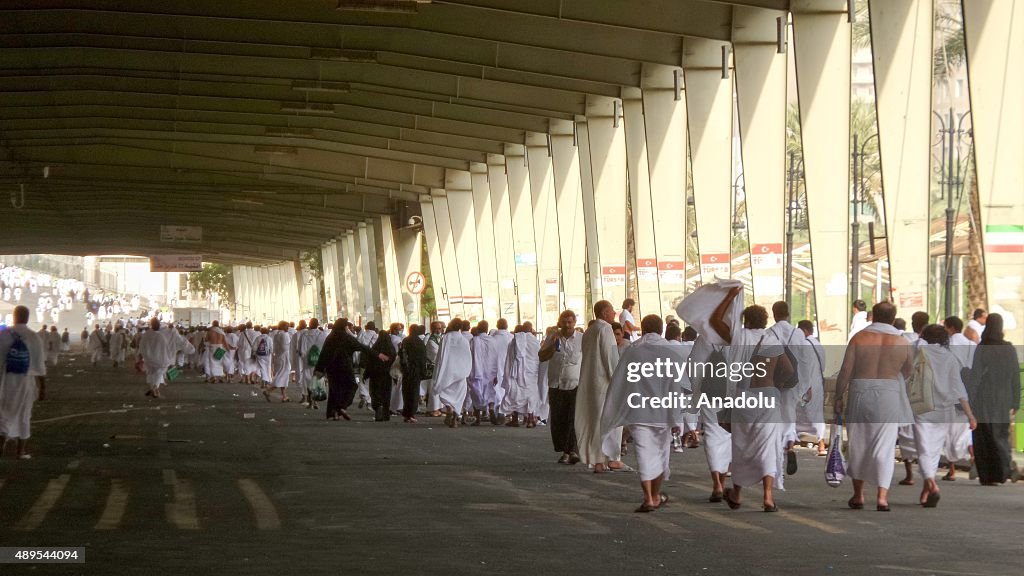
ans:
(308, 108)
(289, 132)
(316, 86)
(780, 35)
(725, 62)
(677, 85)
(283, 150)
(341, 55)
(398, 6)
(616, 112)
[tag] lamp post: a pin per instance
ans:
(948, 183)
(859, 193)
(792, 206)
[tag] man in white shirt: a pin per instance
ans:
(976, 326)
(860, 317)
(563, 351)
(626, 319)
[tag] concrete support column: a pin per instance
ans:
(545, 229)
(331, 291)
(665, 124)
(821, 40)
(410, 260)
(565, 163)
(437, 276)
(446, 244)
(366, 263)
(353, 283)
(607, 147)
(761, 104)
(902, 50)
(504, 249)
(709, 115)
(459, 194)
(374, 268)
(394, 307)
(593, 260)
(523, 239)
(638, 169)
(994, 31)
(483, 220)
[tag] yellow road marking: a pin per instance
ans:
(809, 522)
(724, 520)
(117, 501)
(181, 512)
(262, 507)
(37, 514)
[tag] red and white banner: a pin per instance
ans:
(714, 265)
(647, 269)
(672, 271)
(766, 256)
(613, 276)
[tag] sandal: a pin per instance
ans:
(645, 507)
(906, 482)
(932, 501)
(854, 504)
(733, 505)
(772, 508)
(882, 507)
(790, 463)
(266, 394)
(716, 497)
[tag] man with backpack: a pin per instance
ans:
(22, 369)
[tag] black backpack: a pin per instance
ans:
(18, 358)
(795, 378)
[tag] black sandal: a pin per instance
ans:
(715, 497)
(733, 505)
(882, 507)
(932, 501)
(772, 508)
(854, 505)
(645, 507)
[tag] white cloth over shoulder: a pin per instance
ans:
(282, 359)
(600, 358)
(18, 391)
(484, 374)
(696, 309)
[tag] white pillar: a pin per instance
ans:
(365, 273)
(504, 249)
(394, 307)
(483, 223)
(647, 295)
(459, 194)
(435, 261)
(821, 40)
(545, 229)
(709, 120)
(608, 169)
(593, 259)
(353, 283)
(994, 30)
(410, 260)
(665, 121)
(522, 231)
(761, 105)
(565, 162)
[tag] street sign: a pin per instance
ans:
(176, 263)
(415, 283)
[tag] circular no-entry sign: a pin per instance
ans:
(415, 283)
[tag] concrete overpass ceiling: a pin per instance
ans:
(291, 121)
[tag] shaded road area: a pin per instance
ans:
(188, 484)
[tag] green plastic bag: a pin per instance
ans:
(219, 353)
(318, 390)
(172, 374)
(314, 356)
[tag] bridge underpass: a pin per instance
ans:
(529, 157)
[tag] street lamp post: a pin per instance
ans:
(792, 206)
(859, 198)
(948, 183)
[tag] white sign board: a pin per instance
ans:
(192, 234)
(176, 263)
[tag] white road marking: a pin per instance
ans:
(117, 502)
(182, 512)
(262, 506)
(37, 514)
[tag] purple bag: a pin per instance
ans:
(835, 467)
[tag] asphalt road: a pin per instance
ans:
(187, 485)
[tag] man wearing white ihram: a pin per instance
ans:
(522, 367)
(878, 360)
(281, 362)
(454, 363)
(600, 356)
(22, 369)
(757, 432)
(650, 426)
(153, 351)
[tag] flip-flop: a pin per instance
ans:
(733, 505)
(791, 466)
(949, 478)
(906, 482)
(932, 501)
(715, 497)
(645, 507)
(855, 505)
(882, 507)
(772, 508)
(266, 395)
(624, 468)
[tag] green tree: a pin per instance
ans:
(213, 279)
